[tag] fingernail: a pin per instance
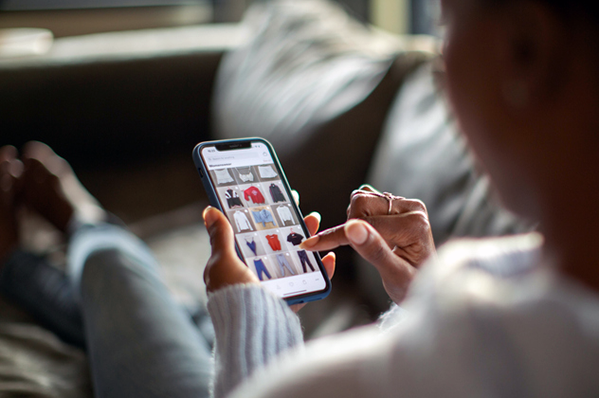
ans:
(310, 242)
(356, 232)
(209, 216)
(317, 215)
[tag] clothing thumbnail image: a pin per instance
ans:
(275, 189)
(304, 259)
(240, 220)
(230, 198)
(222, 177)
(267, 172)
(291, 236)
(285, 214)
(263, 218)
(260, 266)
(284, 265)
(274, 240)
(295, 237)
(245, 174)
(253, 195)
(251, 245)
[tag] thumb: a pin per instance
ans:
(220, 231)
(224, 267)
(374, 249)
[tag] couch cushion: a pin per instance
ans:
(317, 84)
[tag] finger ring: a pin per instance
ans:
(389, 197)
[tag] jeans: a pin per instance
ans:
(140, 342)
(261, 269)
(304, 260)
(283, 263)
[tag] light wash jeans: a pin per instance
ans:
(140, 342)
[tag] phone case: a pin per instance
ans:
(213, 198)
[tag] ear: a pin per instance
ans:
(534, 52)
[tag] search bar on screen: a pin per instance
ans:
(233, 155)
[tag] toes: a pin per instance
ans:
(42, 153)
(42, 189)
(36, 180)
(7, 182)
(10, 170)
(8, 153)
(37, 149)
(36, 171)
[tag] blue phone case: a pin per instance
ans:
(212, 197)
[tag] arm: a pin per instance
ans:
(252, 326)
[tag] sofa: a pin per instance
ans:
(342, 103)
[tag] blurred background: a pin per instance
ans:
(76, 17)
(122, 88)
(347, 91)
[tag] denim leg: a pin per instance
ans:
(29, 281)
(141, 343)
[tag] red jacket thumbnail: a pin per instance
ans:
(255, 194)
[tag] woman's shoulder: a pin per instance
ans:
(491, 305)
(499, 288)
(498, 256)
(479, 268)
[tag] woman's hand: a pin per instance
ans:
(390, 232)
(224, 268)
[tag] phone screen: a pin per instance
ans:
(256, 199)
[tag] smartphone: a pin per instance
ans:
(244, 179)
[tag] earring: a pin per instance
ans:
(516, 93)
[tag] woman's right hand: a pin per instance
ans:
(392, 233)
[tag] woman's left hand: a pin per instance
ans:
(224, 267)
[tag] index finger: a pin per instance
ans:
(326, 240)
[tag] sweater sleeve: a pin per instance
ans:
(252, 327)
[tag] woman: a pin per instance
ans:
(514, 316)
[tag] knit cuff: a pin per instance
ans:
(392, 318)
(252, 327)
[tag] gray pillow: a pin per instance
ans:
(318, 85)
(304, 62)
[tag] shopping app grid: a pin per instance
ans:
(267, 230)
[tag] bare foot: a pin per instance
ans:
(10, 170)
(50, 187)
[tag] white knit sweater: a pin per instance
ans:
(484, 321)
